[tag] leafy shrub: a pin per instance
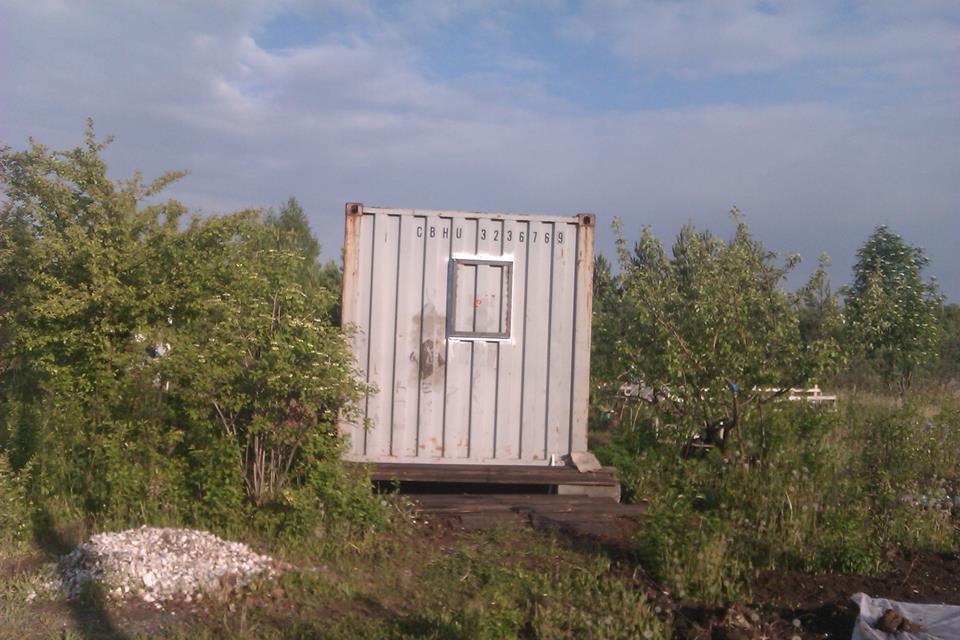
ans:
(840, 545)
(152, 369)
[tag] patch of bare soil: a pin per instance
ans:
(921, 576)
(13, 567)
(789, 604)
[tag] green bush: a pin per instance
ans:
(162, 370)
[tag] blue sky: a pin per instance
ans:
(819, 120)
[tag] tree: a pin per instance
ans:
(150, 366)
(81, 264)
(710, 328)
(821, 320)
(606, 372)
(292, 233)
(275, 372)
(606, 331)
(947, 370)
(892, 312)
(330, 277)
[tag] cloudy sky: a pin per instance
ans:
(819, 120)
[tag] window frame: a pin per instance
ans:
(506, 298)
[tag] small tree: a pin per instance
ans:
(606, 372)
(149, 366)
(892, 312)
(263, 358)
(711, 329)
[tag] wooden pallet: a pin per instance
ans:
(492, 474)
(573, 514)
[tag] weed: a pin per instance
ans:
(814, 490)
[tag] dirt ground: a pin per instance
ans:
(793, 604)
(822, 602)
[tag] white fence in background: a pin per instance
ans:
(813, 394)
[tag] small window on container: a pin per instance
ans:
(480, 299)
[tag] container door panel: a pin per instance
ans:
(406, 388)
(459, 352)
(536, 343)
(510, 380)
(386, 230)
(559, 360)
(490, 315)
(433, 353)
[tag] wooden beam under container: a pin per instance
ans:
(491, 474)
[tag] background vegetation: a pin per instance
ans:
(712, 342)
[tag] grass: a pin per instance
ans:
(409, 582)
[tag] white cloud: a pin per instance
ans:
(695, 37)
(355, 115)
(915, 43)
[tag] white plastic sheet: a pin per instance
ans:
(937, 621)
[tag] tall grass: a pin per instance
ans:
(815, 490)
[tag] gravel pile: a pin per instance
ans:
(157, 565)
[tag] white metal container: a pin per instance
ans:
(475, 330)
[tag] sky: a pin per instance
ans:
(818, 120)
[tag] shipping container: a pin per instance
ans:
(474, 328)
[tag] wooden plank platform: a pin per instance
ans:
(492, 474)
(539, 502)
(578, 515)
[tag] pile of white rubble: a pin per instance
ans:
(158, 565)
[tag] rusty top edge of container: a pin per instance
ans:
(583, 218)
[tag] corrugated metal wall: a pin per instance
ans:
(475, 329)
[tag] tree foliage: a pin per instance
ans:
(607, 334)
(275, 371)
(291, 230)
(892, 312)
(947, 369)
(710, 328)
(155, 365)
(78, 260)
